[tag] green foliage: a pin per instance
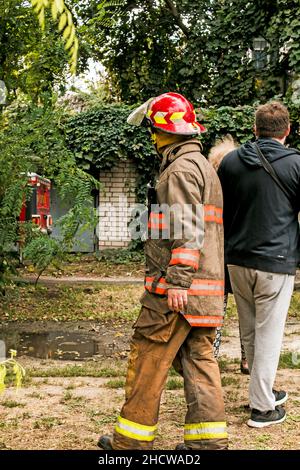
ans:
(115, 383)
(100, 137)
(66, 26)
(84, 370)
(121, 256)
(289, 360)
(31, 60)
(239, 123)
(227, 120)
(174, 383)
(32, 141)
(202, 48)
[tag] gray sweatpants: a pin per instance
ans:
(263, 301)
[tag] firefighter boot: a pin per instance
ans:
(181, 446)
(105, 442)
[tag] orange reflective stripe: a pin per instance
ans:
(199, 287)
(160, 287)
(185, 256)
(211, 321)
(160, 226)
(213, 214)
(206, 287)
(156, 221)
(186, 250)
(186, 262)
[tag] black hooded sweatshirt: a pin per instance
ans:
(260, 223)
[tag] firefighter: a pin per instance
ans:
(184, 287)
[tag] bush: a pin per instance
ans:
(100, 137)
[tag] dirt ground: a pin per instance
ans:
(71, 412)
(110, 263)
(67, 404)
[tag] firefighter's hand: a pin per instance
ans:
(177, 299)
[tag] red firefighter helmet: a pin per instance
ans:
(174, 114)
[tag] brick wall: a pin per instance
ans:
(116, 198)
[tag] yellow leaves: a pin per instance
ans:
(2, 377)
(60, 12)
(13, 353)
(71, 38)
(41, 17)
(17, 369)
(62, 22)
(54, 10)
(67, 32)
(60, 5)
(70, 19)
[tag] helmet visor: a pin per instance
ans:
(137, 116)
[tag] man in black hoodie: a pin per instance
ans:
(262, 250)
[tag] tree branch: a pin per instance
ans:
(173, 9)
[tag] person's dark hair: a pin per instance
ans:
(272, 120)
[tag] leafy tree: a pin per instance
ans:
(206, 49)
(64, 17)
(100, 137)
(31, 140)
(30, 60)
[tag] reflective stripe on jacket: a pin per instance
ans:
(185, 245)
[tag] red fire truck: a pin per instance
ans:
(37, 209)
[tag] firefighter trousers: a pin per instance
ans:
(159, 341)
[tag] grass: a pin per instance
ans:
(231, 311)
(123, 261)
(91, 302)
(70, 387)
(72, 401)
(64, 303)
(174, 384)
(262, 441)
(289, 360)
(67, 397)
(85, 370)
(35, 395)
(46, 423)
(225, 364)
(115, 383)
(229, 380)
(12, 404)
(294, 310)
(100, 418)
(293, 418)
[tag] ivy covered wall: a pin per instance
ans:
(101, 137)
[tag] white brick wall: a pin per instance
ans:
(117, 196)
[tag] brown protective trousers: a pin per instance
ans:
(159, 341)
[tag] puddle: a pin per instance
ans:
(56, 345)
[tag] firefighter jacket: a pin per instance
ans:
(185, 244)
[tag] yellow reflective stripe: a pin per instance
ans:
(130, 434)
(209, 430)
(177, 116)
(137, 425)
(197, 437)
(218, 424)
(159, 117)
(137, 431)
